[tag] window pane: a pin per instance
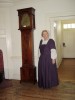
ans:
(65, 26)
(73, 25)
(69, 26)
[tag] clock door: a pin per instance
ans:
(27, 47)
(25, 22)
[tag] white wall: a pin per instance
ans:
(44, 9)
(5, 40)
(58, 35)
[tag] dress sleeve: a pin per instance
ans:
(53, 54)
(52, 44)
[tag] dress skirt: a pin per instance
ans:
(47, 72)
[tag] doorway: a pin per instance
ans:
(65, 52)
(66, 67)
(65, 39)
(68, 31)
(64, 36)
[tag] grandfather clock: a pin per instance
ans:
(27, 26)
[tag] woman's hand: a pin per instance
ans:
(53, 61)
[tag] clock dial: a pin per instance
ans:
(25, 22)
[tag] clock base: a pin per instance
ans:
(28, 74)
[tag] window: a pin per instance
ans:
(69, 26)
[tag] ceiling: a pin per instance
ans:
(9, 1)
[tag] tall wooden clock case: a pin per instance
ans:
(27, 26)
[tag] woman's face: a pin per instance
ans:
(45, 35)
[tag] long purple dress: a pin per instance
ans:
(47, 72)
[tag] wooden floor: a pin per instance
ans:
(26, 91)
(67, 70)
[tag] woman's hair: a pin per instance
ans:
(43, 32)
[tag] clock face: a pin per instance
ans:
(25, 22)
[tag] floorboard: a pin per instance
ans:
(28, 91)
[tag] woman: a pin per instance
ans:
(47, 70)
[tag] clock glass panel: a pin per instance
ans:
(25, 22)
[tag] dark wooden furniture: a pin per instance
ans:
(27, 26)
(1, 66)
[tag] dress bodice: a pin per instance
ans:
(42, 47)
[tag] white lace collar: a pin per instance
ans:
(45, 41)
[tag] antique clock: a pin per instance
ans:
(27, 26)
